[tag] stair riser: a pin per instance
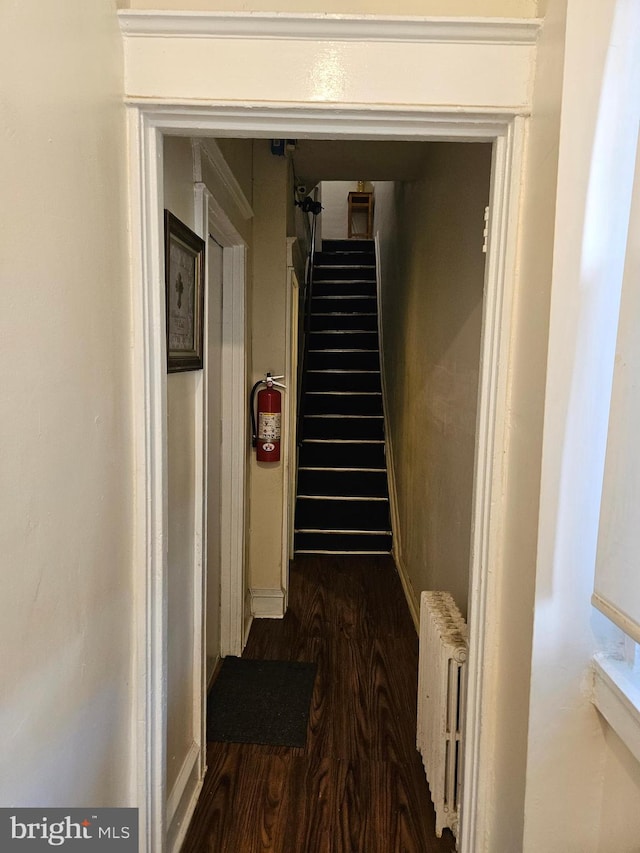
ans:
(343, 381)
(348, 246)
(345, 274)
(358, 322)
(343, 340)
(338, 455)
(324, 360)
(342, 543)
(342, 515)
(324, 305)
(344, 288)
(347, 483)
(371, 429)
(366, 259)
(342, 404)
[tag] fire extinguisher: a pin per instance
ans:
(265, 437)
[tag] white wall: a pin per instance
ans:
(66, 474)
(432, 279)
(505, 820)
(334, 219)
(575, 774)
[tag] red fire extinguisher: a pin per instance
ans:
(265, 437)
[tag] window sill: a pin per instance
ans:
(616, 695)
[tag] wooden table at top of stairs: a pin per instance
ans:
(360, 206)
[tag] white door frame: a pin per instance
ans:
(148, 122)
(212, 220)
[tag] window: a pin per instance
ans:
(617, 578)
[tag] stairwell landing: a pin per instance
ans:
(342, 503)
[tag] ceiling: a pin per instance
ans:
(356, 160)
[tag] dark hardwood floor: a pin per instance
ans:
(358, 785)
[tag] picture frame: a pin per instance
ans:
(184, 294)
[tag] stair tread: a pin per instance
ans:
(314, 541)
(343, 441)
(349, 531)
(350, 350)
(378, 498)
(337, 468)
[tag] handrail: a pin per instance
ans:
(308, 295)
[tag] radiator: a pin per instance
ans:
(442, 702)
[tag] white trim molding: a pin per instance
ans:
(183, 798)
(150, 509)
(322, 26)
(267, 603)
(210, 150)
(234, 423)
(624, 622)
(507, 134)
(234, 437)
(186, 57)
(289, 416)
(616, 695)
(488, 492)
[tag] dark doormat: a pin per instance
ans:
(260, 701)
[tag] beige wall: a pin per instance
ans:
(268, 354)
(432, 276)
(66, 474)
(448, 8)
(239, 156)
(264, 181)
(181, 426)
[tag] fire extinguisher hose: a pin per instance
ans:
(254, 428)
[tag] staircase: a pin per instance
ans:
(342, 504)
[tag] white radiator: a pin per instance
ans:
(442, 702)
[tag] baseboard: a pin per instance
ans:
(391, 473)
(413, 600)
(391, 485)
(248, 618)
(213, 664)
(267, 603)
(183, 798)
(248, 622)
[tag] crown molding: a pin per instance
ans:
(209, 149)
(324, 27)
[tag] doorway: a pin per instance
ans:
(148, 127)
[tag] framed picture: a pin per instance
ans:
(184, 281)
